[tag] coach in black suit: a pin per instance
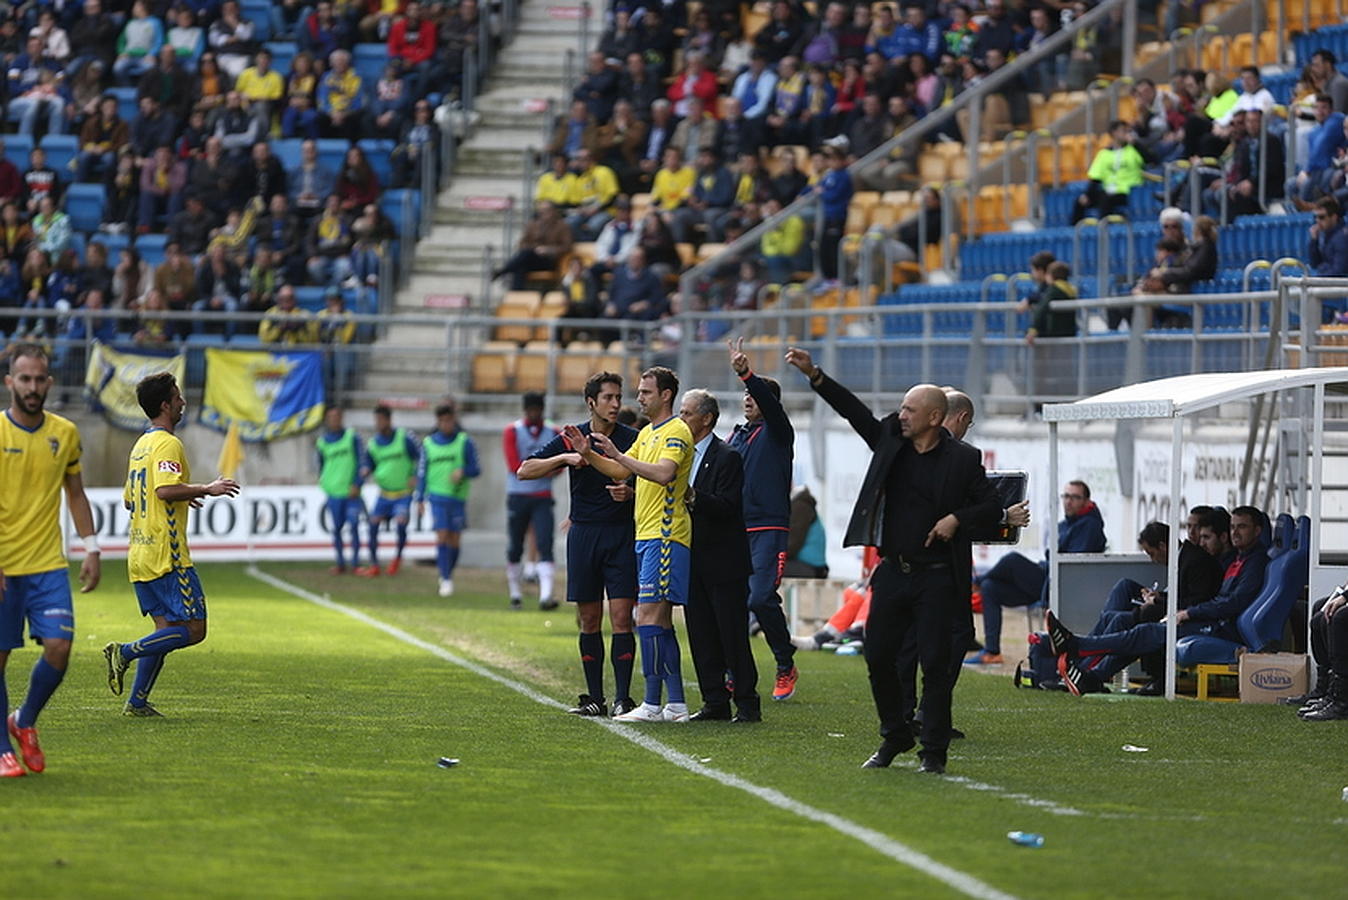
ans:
(718, 629)
(923, 494)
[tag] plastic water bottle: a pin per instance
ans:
(1026, 839)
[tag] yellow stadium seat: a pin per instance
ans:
(575, 366)
(517, 305)
(1214, 54)
(553, 306)
(932, 166)
(708, 250)
(585, 250)
(494, 367)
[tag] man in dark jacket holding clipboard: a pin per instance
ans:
(924, 492)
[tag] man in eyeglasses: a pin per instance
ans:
(1016, 581)
(1328, 251)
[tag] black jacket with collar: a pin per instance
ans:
(965, 489)
(720, 545)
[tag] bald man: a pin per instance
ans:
(923, 495)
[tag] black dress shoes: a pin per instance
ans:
(710, 714)
(932, 766)
(889, 749)
(743, 716)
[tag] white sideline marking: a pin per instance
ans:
(881, 843)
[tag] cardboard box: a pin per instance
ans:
(1264, 677)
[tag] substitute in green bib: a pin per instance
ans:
(391, 459)
(448, 462)
(339, 476)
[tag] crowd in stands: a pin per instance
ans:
(195, 173)
(689, 130)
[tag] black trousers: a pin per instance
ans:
(1329, 640)
(1104, 203)
(718, 636)
(962, 641)
(921, 603)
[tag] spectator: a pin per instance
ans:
(329, 245)
(16, 235)
(187, 38)
(161, 190)
(557, 185)
(995, 32)
(639, 87)
(286, 322)
(303, 77)
(102, 136)
(153, 128)
(1328, 250)
(755, 89)
(95, 33)
(806, 549)
(33, 88)
(1331, 81)
(654, 237)
(1045, 321)
(412, 40)
(191, 227)
(131, 280)
(337, 331)
(657, 42)
(177, 92)
(545, 241)
(371, 230)
(262, 177)
(40, 180)
(673, 182)
(1083, 63)
(176, 278)
(787, 99)
(598, 90)
(237, 130)
(219, 287)
(1198, 261)
(84, 327)
(780, 35)
(51, 227)
(417, 140)
(621, 39)
(614, 243)
(736, 136)
(152, 328)
(283, 234)
(389, 105)
(835, 193)
(63, 284)
(867, 133)
(1016, 581)
(592, 196)
(573, 133)
(375, 25)
(712, 195)
(260, 282)
(1314, 176)
(459, 32)
(789, 181)
(780, 245)
(211, 176)
(618, 143)
(341, 98)
(33, 280)
(697, 131)
(122, 190)
(139, 43)
(300, 119)
(582, 300)
(636, 292)
(696, 81)
(323, 33)
(357, 185)
(95, 274)
(231, 37)
(262, 89)
(1114, 172)
(917, 34)
(1253, 162)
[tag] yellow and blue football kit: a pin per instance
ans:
(158, 560)
(664, 525)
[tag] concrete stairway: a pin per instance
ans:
(490, 164)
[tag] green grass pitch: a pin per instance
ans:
(299, 756)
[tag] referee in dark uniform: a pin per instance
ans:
(600, 547)
(923, 493)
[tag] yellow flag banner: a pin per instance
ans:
(231, 454)
(111, 378)
(267, 395)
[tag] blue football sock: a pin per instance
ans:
(158, 643)
(650, 661)
(147, 670)
(442, 559)
(4, 705)
(672, 666)
(374, 544)
(337, 545)
(451, 560)
(43, 684)
(402, 538)
(623, 653)
(355, 542)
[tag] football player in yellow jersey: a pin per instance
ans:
(39, 457)
(661, 459)
(158, 493)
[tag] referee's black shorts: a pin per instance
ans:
(599, 559)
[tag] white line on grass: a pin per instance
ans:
(881, 843)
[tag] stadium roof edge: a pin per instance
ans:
(1183, 395)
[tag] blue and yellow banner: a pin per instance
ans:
(111, 378)
(268, 395)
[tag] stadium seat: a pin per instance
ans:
(517, 305)
(310, 297)
(575, 366)
(332, 152)
(531, 367)
(379, 151)
(151, 248)
(494, 367)
(287, 152)
(84, 205)
(282, 56)
(61, 150)
(553, 305)
(127, 106)
(260, 15)
(17, 148)
(369, 60)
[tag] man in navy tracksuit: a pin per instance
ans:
(766, 443)
(1087, 661)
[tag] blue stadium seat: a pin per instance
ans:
(332, 152)
(151, 247)
(310, 297)
(287, 152)
(380, 154)
(282, 56)
(17, 148)
(391, 205)
(115, 243)
(369, 61)
(127, 107)
(61, 151)
(84, 205)
(79, 243)
(260, 15)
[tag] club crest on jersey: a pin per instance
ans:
(54, 444)
(169, 465)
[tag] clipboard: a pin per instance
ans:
(1012, 487)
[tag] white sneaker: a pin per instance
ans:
(675, 712)
(446, 587)
(646, 712)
